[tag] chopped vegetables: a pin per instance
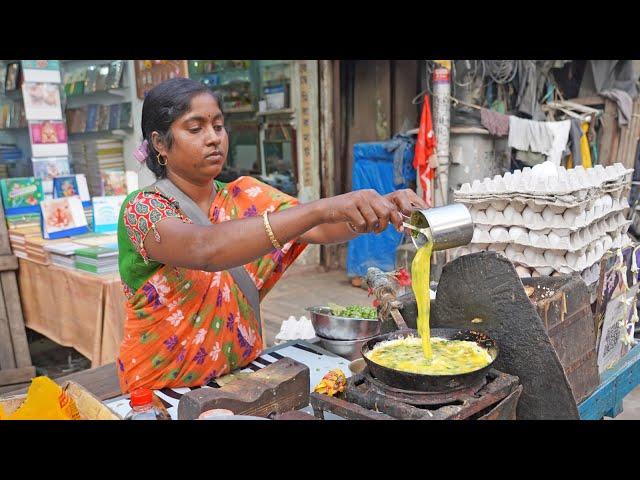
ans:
(354, 311)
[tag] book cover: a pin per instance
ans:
(46, 168)
(103, 118)
(114, 182)
(71, 185)
(80, 78)
(66, 186)
(41, 101)
(92, 118)
(48, 138)
(20, 193)
(90, 79)
(41, 71)
(63, 248)
(94, 269)
(115, 74)
(125, 115)
(105, 212)
(62, 217)
(79, 120)
(96, 252)
(114, 117)
(101, 78)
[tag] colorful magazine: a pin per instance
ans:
(114, 182)
(105, 212)
(47, 168)
(71, 185)
(48, 138)
(21, 195)
(42, 101)
(63, 217)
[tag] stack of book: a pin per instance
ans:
(63, 254)
(34, 246)
(18, 239)
(95, 159)
(95, 239)
(98, 260)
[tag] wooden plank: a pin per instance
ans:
(16, 320)
(327, 162)
(8, 262)
(7, 358)
(101, 382)
(17, 375)
(616, 383)
(609, 132)
(596, 100)
(5, 246)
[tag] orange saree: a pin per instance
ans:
(185, 327)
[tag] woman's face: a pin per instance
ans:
(200, 142)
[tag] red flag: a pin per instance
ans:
(425, 148)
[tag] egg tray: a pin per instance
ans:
(574, 261)
(550, 217)
(538, 202)
(547, 180)
(552, 240)
(568, 263)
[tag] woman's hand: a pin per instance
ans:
(406, 200)
(364, 210)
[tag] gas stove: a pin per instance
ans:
(495, 396)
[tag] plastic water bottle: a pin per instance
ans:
(142, 407)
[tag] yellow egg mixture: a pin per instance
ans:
(449, 357)
(426, 355)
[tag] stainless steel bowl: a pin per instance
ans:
(341, 328)
(349, 349)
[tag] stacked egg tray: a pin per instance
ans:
(548, 220)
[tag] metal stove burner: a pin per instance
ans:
(413, 397)
(418, 398)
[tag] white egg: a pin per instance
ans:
(527, 216)
(547, 215)
(491, 213)
(516, 232)
(508, 214)
(499, 234)
(544, 271)
(531, 256)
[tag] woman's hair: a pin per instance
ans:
(162, 106)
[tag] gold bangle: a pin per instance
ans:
(267, 227)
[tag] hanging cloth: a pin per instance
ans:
(425, 149)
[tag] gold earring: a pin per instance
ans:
(158, 157)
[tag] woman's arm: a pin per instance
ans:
(404, 200)
(237, 242)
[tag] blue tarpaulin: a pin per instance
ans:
(373, 167)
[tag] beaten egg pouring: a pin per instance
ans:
(426, 355)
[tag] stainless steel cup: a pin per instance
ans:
(450, 226)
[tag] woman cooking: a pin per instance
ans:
(197, 255)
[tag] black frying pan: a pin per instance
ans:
(430, 383)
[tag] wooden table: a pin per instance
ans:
(615, 384)
(73, 308)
